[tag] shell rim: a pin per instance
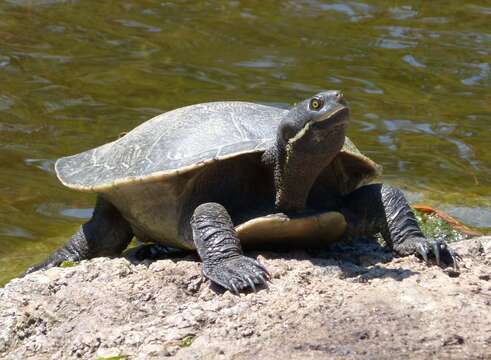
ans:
(165, 174)
(156, 176)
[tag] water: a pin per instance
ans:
(74, 74)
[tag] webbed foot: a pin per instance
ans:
(237, 273)
(429, 250)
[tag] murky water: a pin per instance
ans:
(74, 74)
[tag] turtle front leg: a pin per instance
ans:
(107, 233)
(383, 209)
(219, 248)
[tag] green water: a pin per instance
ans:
(74, 74)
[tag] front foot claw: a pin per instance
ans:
(237, 274)
(436, 250)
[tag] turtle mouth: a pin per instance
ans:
(337, 116)
(333, 120)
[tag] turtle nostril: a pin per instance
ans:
(339, 95)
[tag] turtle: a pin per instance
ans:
(221, 177)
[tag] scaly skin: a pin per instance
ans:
(219, 248)
(383, 209)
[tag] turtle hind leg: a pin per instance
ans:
(107, 233)
(219, 248)
(383, 209)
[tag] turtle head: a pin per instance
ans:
(309, 136)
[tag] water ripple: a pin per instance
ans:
(394, 44)
(55, 209)
(412, 61)
(47, 165)
(484, 74)
(138, 25)
(356, 11)
(403, 12)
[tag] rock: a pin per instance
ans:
(360, 305)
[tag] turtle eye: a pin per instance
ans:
(316, 103)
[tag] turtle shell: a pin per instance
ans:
(188, 138)
(172, 143)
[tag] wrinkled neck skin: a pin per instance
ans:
(295, 170)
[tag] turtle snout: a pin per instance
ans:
(334, 97)
(339, 97)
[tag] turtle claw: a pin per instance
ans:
(455, 259)
(263, 268)
(251, 284)
(234, 287)
(422, 251)
(264, 278)
(237, 274)
(435, 251)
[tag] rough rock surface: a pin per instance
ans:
(355, 303)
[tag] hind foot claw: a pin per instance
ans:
(49, 263)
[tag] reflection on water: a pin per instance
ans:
(75, 74)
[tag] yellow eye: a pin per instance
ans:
(315, 104)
